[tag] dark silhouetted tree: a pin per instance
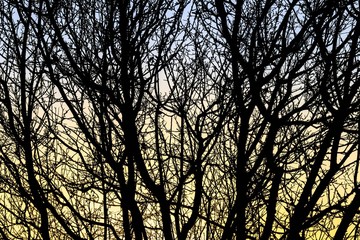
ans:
(164, 119)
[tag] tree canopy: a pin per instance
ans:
(179, 119)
